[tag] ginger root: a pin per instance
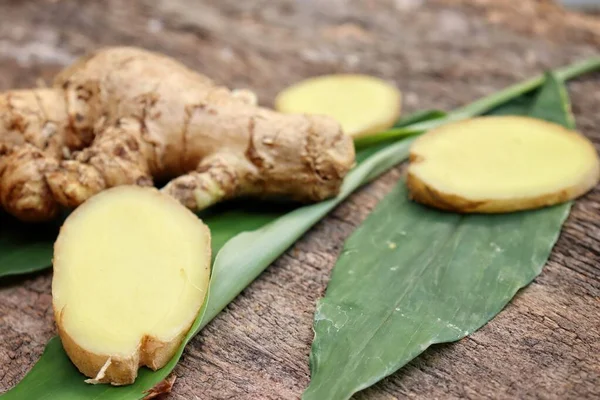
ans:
(500, 164)
(362, 104)
(131, 272)
(126, 116)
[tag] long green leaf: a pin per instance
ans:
(412, 276)
(419, 116)
(24, 249)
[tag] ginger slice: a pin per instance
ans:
(500, 164)
(131, 272)
(362, 104)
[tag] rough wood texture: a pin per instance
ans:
(441, 54)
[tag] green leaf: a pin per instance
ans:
(552, 103)
(411, 276)
(420, 116)
(23, 248)
(241, 257)
(412, 124)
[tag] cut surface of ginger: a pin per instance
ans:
(131, 272)
(500, 164)
(362, 104)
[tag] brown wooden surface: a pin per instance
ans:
(442, 54)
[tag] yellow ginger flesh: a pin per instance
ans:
(501, 164)
(362, 104)
(131, 272)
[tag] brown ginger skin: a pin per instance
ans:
(125, 116)
(33, 130)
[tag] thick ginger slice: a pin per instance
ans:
(362, 104)
(500, 164)
(131, 272)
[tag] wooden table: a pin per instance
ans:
(442, 54)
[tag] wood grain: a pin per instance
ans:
(441, 54)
